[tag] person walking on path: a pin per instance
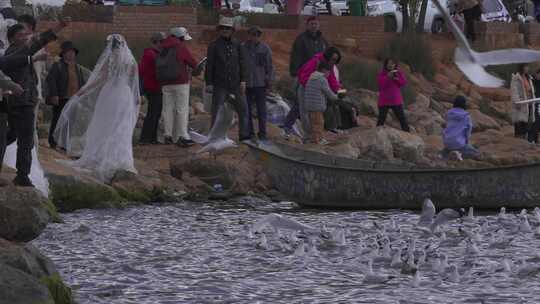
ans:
(175, 111)
(259, 79)
(522, 88)
(151, 89)
(316, 94)
(305, 46)
(457, 134)
(390, 81)
(64, 79)
(21, 109)
(226, 75)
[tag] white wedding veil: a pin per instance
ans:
(116, 62)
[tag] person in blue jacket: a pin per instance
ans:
(457, 134)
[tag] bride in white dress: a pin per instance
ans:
(97, 123)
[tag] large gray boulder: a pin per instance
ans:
(27, 259)
(23, 213)
(18, 287)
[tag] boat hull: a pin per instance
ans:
(318, 180)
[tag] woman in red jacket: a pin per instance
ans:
(151, 89)
(390, 81)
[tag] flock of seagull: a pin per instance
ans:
(395, 253)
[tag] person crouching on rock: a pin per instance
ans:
(390, 81)
(457, 134)
(522, 88)
(315, 95)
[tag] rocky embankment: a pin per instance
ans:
(27, 276)
(489, 109)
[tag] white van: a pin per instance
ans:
(494, 10)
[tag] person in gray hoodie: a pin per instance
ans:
(316, 93)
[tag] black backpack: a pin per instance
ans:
(167, 67)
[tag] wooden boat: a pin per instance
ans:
(320, 180)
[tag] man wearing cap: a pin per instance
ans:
(259, 78)
(305, 46)
(64, 79)
(226, 74)
(151, 89)
(176, 93)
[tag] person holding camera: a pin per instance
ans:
(390, 81)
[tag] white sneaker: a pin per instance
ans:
(323, 142)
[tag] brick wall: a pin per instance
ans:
(367, 32)
(531, 33)
(365, 35)
(495, 35)
(137, 22)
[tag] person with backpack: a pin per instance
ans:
(151, 89)
(226, 75)
(173, 74)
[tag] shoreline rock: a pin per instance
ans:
(24, 213)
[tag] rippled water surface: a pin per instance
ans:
(201, 253)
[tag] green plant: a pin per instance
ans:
(285, 87)
(186, 3)
(91, 45)
(360, 74)
(414, 50)
(59, 291)
(71, 196)
(503, 71)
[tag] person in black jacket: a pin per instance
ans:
(64, 79)
(226, 73)
(13, 88)
(304, 48)
(21, 109)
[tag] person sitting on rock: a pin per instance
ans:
(457, 134)
(315, 95)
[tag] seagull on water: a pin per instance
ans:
(371, 277)
(524, 225)
(472, 63)
(277, 221)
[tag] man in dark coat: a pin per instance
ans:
(226, 75)
(304, 48)
(64, 80)
(6, 84)
(21, 109)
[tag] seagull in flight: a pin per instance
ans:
(472, 63)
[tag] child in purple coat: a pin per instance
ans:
(456, 136)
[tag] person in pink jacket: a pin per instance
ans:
(390, 81)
